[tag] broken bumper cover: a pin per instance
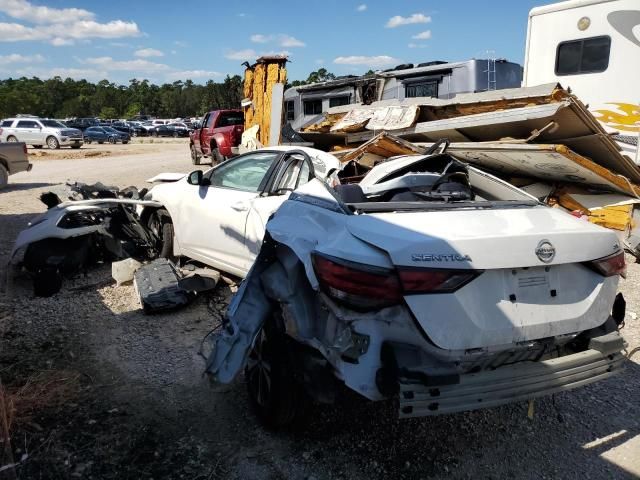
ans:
(517, 382)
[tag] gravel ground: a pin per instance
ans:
(135, 403)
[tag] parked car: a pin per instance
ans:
(39, 132)
(82, 123)
(117, 136)
(95, 134)
(179, 129)
(137, 130)
(162, 131)
(431, 282)
(218, 137)
(13, 159)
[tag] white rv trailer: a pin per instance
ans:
(593, 47)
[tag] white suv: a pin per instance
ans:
(39, 132)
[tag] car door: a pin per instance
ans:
(205, 133)
(210, 220)
(27, 131)
(294, 169)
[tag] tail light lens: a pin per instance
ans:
(364, 287)
(610, 266)
(359, 286)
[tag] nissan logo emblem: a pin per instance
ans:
(545, 251)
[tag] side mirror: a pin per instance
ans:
(196, 178)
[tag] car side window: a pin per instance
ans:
(296, 173)
(27, 124)
(244, 173)
(6, 123)
(208, 121)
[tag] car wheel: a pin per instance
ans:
(52, 143)
(37, 146)
(12, 139)
(160, 225)
(87, 141)
(275, 396)
(216, 157)
(195, 158)
(124, 142)
(134, 134)
(100, 142)
(176, 134)
(75, 147)
(155, 134)
(4, 177)
(112, 140)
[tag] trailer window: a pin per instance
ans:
(427, 88)
(312, 107)
(587, 55)
(339, 101)
(289, 109)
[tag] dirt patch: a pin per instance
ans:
(106, 150)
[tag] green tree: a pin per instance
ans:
(108, 112)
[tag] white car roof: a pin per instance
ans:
(323, 162)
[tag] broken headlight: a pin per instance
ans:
(81, 219)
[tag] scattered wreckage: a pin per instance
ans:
(425, 279)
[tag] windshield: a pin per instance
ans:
(228, 119)
(52, 124)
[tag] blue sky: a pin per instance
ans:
(167, 41)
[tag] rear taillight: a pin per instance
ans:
(610, 266)
(365, 287)
(359, 286)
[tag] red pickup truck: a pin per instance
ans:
(218, 137)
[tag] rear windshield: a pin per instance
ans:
(230, 118)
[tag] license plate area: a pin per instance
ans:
(531, 285)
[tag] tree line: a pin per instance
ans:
(65, 98)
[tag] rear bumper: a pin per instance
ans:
(517, 382)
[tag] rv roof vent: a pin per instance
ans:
(433, 62)
(404, 66)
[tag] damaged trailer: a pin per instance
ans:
(430, 281)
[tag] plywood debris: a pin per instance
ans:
(259, 80)
(382, 146)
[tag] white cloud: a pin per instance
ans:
(283, 40)
(320, 61)
(24, 10)
(416, 45)
(288, 41)
(375, 61)
(180, 43)
(412, 19)
(58, 26)
(362, 7)
(138, 65)
(246, 54)
(17, 58)
(242, 14)
(192, 74)
(259, 38)
(173, 52)
(426, 35)
(148, 52)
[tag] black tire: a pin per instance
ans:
(37, 147)
(12, 139)
(176, 134)
(160, 224)
(87, 141)
(275, 396)
(113, 140)
(155, 134)
(53, 143)
(124, 142)
(195, 157)
(75, 147)
(4, 177)
(100, 142)
(216, 157)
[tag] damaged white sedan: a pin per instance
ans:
(429, 281)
